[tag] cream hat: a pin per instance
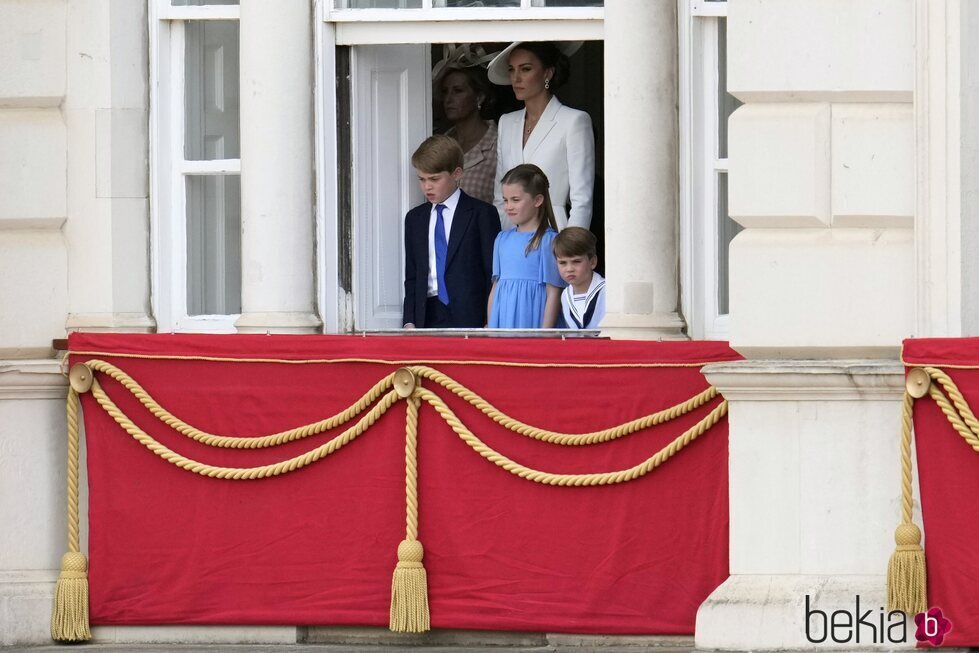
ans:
(497, 69)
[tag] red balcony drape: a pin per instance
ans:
(318, 546)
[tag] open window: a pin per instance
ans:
(195, 180)
(385, 56)
(705, 226)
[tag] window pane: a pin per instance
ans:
(198, 3)
(569, 3)
(477, 3)
(213, 245)
(727, 229)
(211, 90)
(378, 4)
(727, 103)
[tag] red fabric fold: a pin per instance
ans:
(318, 546)
(948, 473)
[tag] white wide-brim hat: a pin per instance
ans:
(497, 69)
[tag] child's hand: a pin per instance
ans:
(408, 325)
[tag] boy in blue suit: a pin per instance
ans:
(448, 244)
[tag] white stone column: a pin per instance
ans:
(822, 177)
(33, 206)
(106, 113)
(814, 495)
(946, 241)
(641, 165)
(277, 218)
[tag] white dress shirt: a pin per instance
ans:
(450, 208)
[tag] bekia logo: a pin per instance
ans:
(873, 625)
(844, 627)
(932, 626)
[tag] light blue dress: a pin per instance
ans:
(521, 278)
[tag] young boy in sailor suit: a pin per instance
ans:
(583, 301)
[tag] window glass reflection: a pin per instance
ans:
(213, 245)
(378, 4)
(211, 90)
(201, 3)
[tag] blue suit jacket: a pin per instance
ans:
(469, 262)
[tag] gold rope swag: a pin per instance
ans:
(69, 620)
(906, 577)
(409, 584)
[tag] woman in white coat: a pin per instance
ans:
(556, 138)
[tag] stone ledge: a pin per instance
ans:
(278, 322)
(806, 380)
(364, 635)
(118, 322)
(767, 612)
(32, 379)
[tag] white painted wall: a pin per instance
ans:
(969, 169)
(32, 48)
(822, 177)
(105, 111)
(641, 168)
(832, 50)
(277, 217)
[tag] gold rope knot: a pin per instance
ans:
(74, 562)
(907, 535)
(410, 551)
(69, 620)
(409, 590)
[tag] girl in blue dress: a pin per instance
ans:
(527, 287)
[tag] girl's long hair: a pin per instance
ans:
(533, 180)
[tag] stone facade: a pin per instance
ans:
(851, 169)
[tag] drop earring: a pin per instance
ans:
(547, 84)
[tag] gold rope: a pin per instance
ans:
(297, 462)
(69, 619)
(212, 440)
(242, 473)
(409, 600)
(906, 570)
(547, 478)
(567, 439)
(384, 361)
(368, 398)
(409, 584)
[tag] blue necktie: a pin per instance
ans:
(441, 250)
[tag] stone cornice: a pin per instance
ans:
(32, 379)
(808, 380)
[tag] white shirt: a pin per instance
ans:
(575, 306)
(450, 208)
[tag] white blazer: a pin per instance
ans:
(563, 146)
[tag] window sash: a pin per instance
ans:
(702, 170)
(429, 13)
(171, 170)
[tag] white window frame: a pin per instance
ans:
(169, 169)
(699, 169)
(353, 27)
(466, 24)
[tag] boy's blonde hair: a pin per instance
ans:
(438, 153)
(574, 241)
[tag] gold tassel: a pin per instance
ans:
(409, 590)
(69, 621)
(906, 575)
